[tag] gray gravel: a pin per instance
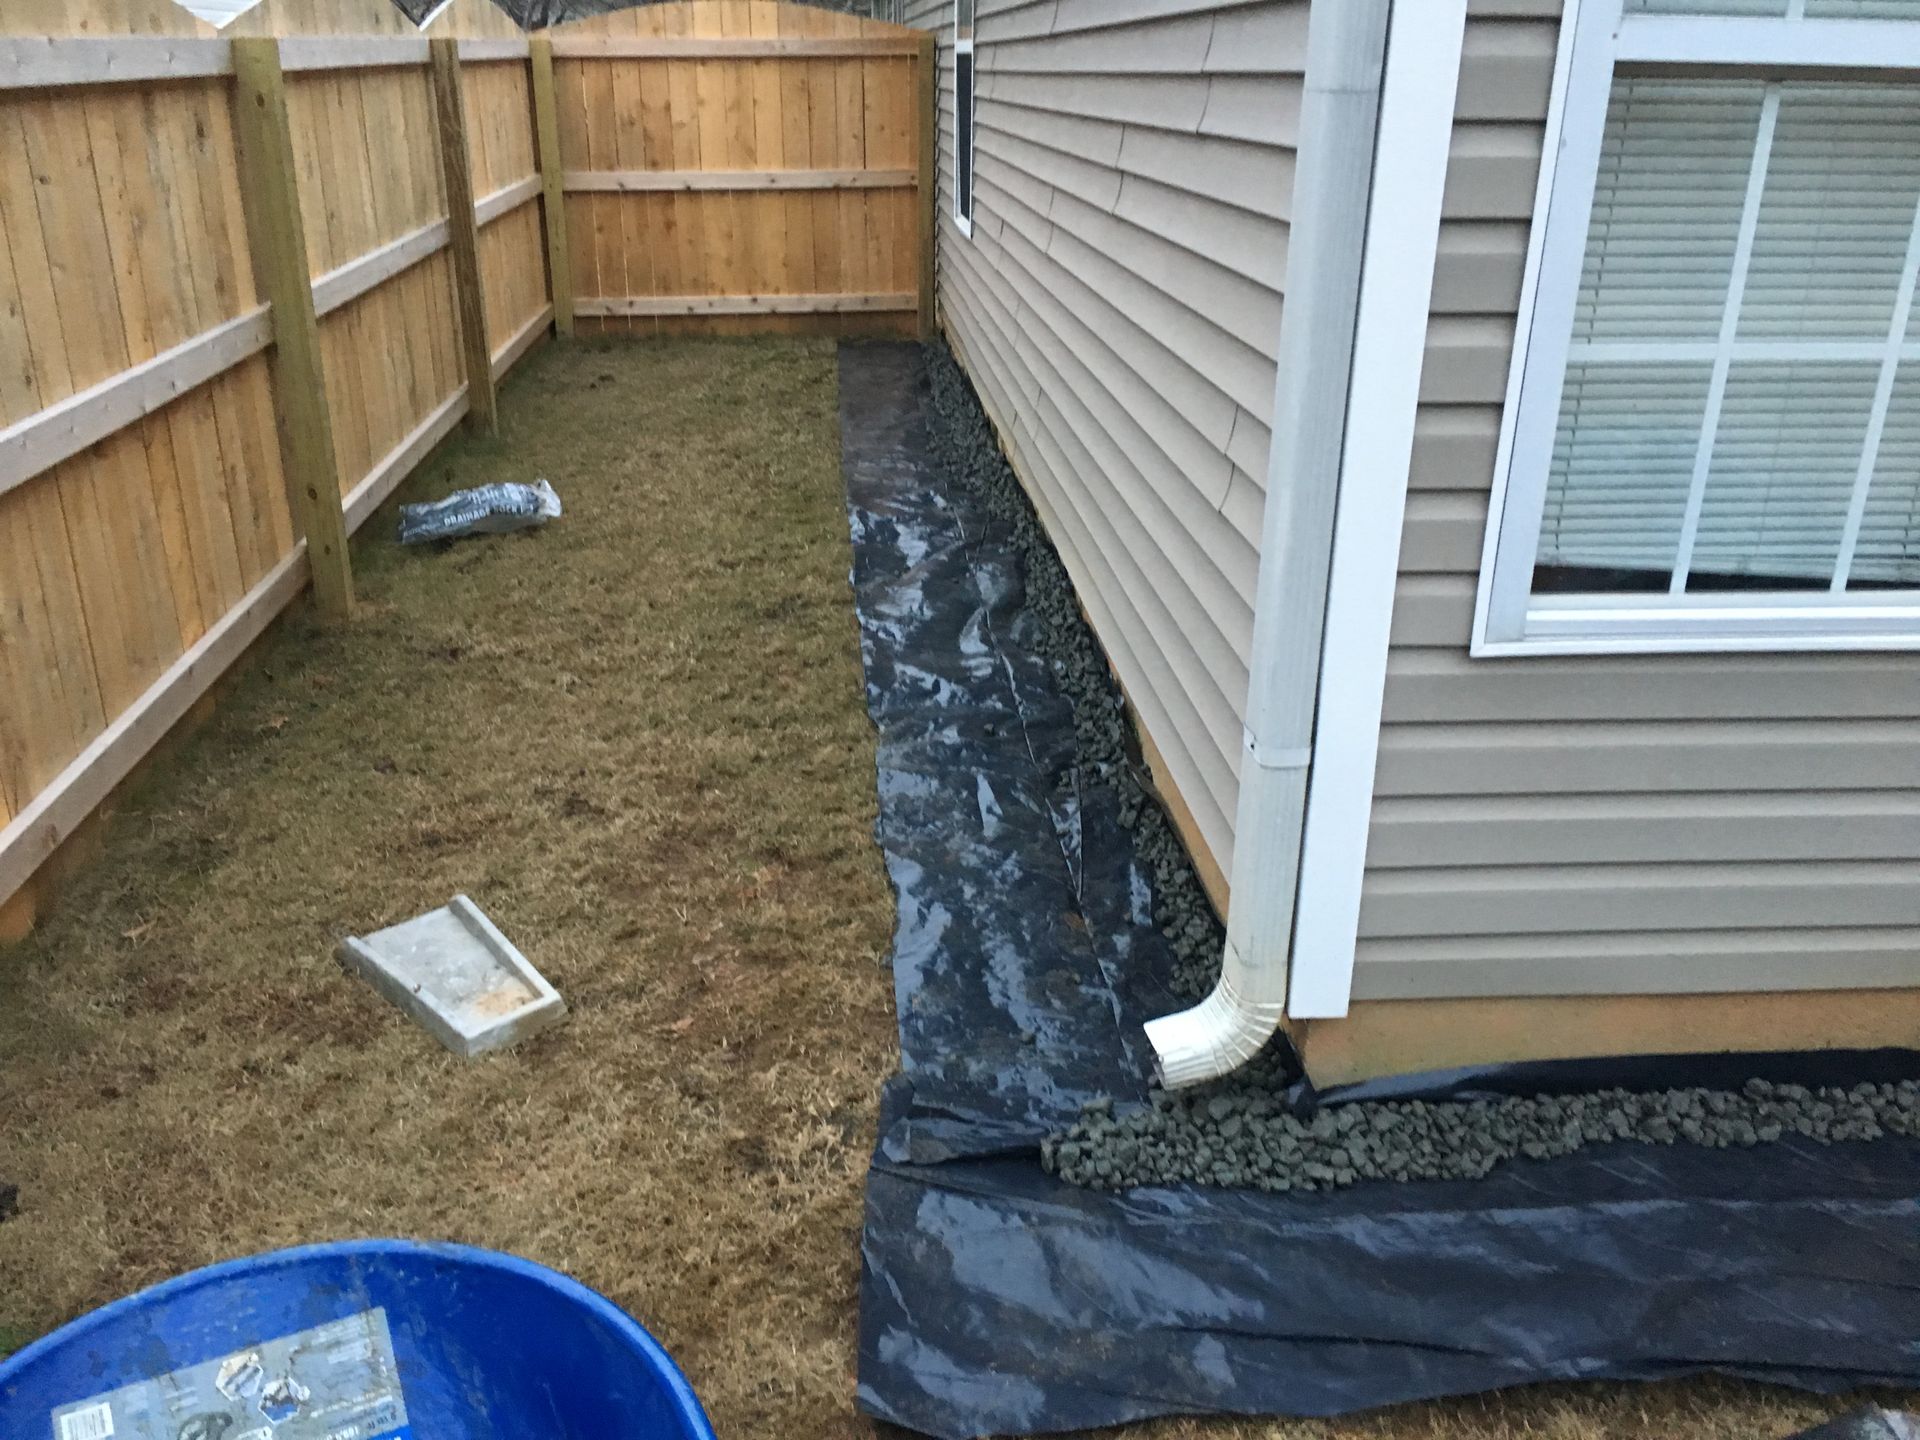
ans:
(1243, 1136)
(964, 444)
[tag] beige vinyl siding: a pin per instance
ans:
(1590, 825)
(1118, 307)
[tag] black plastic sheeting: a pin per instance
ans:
(1025, 949)
(998, 1300)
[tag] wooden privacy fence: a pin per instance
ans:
(733, 160)
(236, 309)
(250, 279)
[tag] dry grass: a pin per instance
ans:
(638, 740)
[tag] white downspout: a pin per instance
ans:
(1346, 50)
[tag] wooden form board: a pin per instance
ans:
(724, 154)
(145, 530)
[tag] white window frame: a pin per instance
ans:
(963, 211)
(1509, 619)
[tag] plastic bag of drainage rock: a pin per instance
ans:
(489, 510)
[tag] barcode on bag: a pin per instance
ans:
(91, 1422)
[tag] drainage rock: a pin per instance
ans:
(1241, 1134)
(963, 444)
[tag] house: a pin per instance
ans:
(1531, 668)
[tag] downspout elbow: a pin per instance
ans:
(1248, 1004)
(1223, 1032)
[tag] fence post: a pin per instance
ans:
(929, 178)
(271, 190)
(553, 182)
(450, 104)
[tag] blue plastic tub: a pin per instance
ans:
(369, 1340)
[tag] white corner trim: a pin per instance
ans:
(1424, 47)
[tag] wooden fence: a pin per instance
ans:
(250, 279)
(231, 290)
(738, 165)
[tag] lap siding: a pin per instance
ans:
(1604, 825)
(1118, 307)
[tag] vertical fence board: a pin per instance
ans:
(629, 152)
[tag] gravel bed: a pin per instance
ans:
(964, 445)
(1243, 1136)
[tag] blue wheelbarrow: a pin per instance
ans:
(368, 1340)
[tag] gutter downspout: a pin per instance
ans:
(1340, 109)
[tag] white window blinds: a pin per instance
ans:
(1741, 406)
(963, 104)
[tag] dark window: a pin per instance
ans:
(963, 134)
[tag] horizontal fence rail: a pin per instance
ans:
(836, 304)
(638, 181)
(43, 440)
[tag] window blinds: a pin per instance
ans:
(1742, 395)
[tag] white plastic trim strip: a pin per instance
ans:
(1424, 46)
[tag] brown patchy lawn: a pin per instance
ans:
(638, 740)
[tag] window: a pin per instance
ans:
(1715, 440)
(963, 114)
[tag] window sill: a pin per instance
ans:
(963, 225)
(1654, 625)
